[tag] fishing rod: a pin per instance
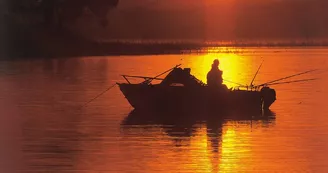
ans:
(302, 80)
(286, 77)
(167, 71)
(148, 81)
(241, 85)
(256, 73)
(143, 77)
(98, 95)
(234, 83)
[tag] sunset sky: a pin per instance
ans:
(213, 20)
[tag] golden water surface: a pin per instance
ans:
(43, 128)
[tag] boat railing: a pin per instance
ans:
(146, 78)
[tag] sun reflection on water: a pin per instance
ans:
(201, 157)
(224, 151)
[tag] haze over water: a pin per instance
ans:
(43, 129)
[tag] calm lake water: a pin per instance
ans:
(43, 129)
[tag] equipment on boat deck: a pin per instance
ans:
(181, 90)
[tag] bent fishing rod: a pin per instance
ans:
(295, 81)
(287, 77)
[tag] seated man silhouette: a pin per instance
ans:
(216, 86)
(214, 76)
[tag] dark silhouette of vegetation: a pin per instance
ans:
(37, 28)
(41, 28)
(57, 12)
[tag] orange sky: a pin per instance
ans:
(213, 20)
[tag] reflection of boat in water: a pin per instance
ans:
(181, 90)
(141, 117)
(196, 138)
(180, 126)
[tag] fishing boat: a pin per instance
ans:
(180, 90)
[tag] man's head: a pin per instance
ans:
(215, 63)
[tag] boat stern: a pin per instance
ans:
(268, 97)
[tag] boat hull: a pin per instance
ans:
(203, 98)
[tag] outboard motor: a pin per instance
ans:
(268, 96)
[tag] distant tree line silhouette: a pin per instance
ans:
(56, 12)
